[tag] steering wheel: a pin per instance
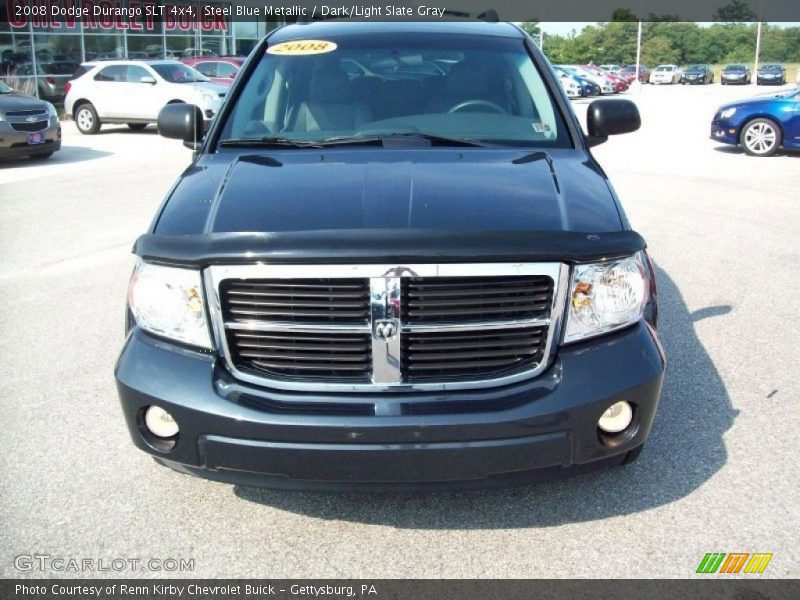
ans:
(485, 103)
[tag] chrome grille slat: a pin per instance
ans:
(456, 326)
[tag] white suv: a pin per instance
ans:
(134, 91)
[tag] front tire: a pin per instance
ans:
(86, 119)
(761, 137)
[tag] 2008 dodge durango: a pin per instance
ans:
(393, 264)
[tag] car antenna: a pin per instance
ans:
(489, 15)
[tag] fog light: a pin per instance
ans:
(160, 422)
(616, 418)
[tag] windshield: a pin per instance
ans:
(4, 89)
(695, 68)
(360, 86)
(663, 68)
(734, 69)
(178, 73)
(770, 68)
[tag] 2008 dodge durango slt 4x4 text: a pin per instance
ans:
(392, 264)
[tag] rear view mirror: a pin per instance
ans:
(181, 122)
(148, 79)
(611, 117)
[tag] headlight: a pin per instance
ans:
(51, 110)
(606, 296)
(169, 302)
(727, 113)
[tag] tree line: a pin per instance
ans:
(668, 42)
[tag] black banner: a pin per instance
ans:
(123, 13)
(748, 588)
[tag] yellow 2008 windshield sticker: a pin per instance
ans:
(302, 47)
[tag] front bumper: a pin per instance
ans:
(734, 80)
(14, 144)
(724, 131)
(535, 430)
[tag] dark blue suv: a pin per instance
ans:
(393, 264)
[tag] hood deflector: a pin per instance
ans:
(386, 245)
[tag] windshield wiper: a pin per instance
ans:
(348, 140)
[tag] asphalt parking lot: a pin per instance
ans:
(720, 472)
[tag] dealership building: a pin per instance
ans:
(51, 37)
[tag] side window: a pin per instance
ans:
(112, 73)
(135, 74)
(225, 69)
(209, 69)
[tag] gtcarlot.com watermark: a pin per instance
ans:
(73, 564)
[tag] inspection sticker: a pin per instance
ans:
(302, 47)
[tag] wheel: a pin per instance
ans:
(86, 119)
(633, 455)
(137, 126)
(40, 156)
(761, 137)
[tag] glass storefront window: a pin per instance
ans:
(104, 46)
(145, 46)
(15, 50)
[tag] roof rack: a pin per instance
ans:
(489, 15)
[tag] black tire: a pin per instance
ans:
(137, 126)
(86, 119)
(633, 455)
(755, 148)
(41, 156)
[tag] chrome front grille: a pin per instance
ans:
(384, 327)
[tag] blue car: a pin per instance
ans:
(761, 124)
(588, 88)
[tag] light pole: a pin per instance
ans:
(758, 51)
(638, 57)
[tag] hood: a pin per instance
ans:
(756, 101)
(15, 101)
(211, 86)
(372, 188)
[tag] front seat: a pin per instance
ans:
(470, 81)
(330, 104)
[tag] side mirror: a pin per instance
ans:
(611, 117)
(181, 122)
(148, 79)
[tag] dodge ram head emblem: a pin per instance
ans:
(385, 329)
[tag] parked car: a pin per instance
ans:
(760, 125)
(588, 87)
(620, 85)
(438, 293)
(571, 87)
(698, 74)
(602, 81)
(736, 74)
(669, 74)
(28, 126)
(221, 69)
(133, 92)
(614, 69)
(50, 79)
(771, 74)
(629, 74)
